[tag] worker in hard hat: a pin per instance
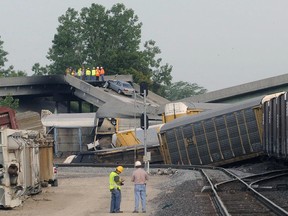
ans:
(93, 74)
(115, 183)
(102, 72)
(140, 178)
(97, 73)
(79, 72)
(88, 74)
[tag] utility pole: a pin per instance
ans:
(145, 134)
(135, 126)
(145, 125)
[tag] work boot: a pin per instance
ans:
(135, 211)
(119, 212)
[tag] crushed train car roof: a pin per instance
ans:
(70, 120)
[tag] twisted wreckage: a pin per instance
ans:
(26, 161)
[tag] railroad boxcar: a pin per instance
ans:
(275, 128)
(214, 137)
(8, 118)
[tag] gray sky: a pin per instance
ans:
(216, 44)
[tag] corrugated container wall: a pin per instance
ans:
(215, 137)
(275, 126)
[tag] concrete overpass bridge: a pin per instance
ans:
(65, 89)
(243, 92)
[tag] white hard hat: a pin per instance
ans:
(137, 163)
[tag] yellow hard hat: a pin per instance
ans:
(120, 169)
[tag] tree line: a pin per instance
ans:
(112, 38)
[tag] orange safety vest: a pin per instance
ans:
(102, 72)
(97, 72)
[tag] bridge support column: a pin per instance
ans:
(80, 106)
(68, 106)
(91, 108)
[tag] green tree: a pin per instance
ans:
(110, 38)
(9, 101)
(123, 38)
(9, 72)
(3, 59)
(3, 54)
(180, 90)
(38, 70)
(68, 44)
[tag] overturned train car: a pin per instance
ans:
(19, 166)
(214, 137)
(275, 125)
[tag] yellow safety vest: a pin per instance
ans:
(112, 183)
(88, 72)
(93, 72)
(79, 72)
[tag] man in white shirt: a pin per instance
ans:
(139, 177)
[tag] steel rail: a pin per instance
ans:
(285, 172)
(267, 178)
(264, 200)
(218, 201)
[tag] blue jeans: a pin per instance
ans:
(102, 77)
(115, 200)
(140, 193)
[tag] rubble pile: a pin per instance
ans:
(167, 171)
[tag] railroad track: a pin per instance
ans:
(272, 185)
(231, 194)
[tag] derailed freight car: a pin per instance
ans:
(275, 125)
(26, 165)
(19, 166)
(214, 137)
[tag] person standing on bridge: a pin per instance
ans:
(68, 70)
(83, 72)
(73, 72)
(93, 74)
(79, 72)
(88, 74)
(115, 183)
(97, 73)
(140, 178)
(102, 72)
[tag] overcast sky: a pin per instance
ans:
(214, 43)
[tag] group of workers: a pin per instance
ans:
(139, 177)
(96, 74)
